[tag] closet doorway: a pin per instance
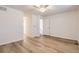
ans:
(41, 26)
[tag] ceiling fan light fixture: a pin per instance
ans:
(41, 8)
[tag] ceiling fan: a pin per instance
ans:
(41, 8)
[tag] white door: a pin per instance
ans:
(46, 26)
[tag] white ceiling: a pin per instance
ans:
(53, 9)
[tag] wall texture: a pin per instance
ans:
(11, 25)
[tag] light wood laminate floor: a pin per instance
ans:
(40, 45)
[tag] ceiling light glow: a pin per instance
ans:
(41, 8)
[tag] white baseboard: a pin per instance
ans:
(3, 43)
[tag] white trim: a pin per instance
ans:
(10, 42)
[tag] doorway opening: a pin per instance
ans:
(41, 26)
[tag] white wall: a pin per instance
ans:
(28, 16)
(11, 25)
(78, 30)
(78, 26)
(32, 24)
(36, 25)
(64, 25)
(46, 26)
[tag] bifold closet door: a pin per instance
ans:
(46, 26)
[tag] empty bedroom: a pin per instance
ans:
(39, 28)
